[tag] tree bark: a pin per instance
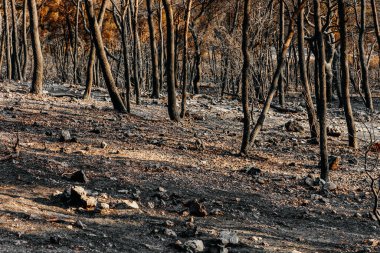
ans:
(363, 61)
(245, 83)
(104, 64)
(170, 64)
(375, 22)
(184, 58)
(7, 40)
(281, 90)
(321, 102)
(304, 79)
(25, 38)
(345, 80)
(153, 49)
(38, 68)
(16, 67)
(197, 62)
(92, 55)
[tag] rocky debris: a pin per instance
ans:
(65, 136)
(161, 189)
(80, 177)
(198, 117)
(228, 237)
(77, 196)
(125, 204)
(318, 182)
(310, 181)
(333, 131)
(253, 171)
(334, 162)
(196, 208)
(353, 161)
(329, 186)
(293, 126)
(103, 206)
(103, 145)
(199, 145)
(216, 212)
(373, 242)
(95, 131)
(168, 223)
(79, 224)
(170, 233)
(55, 239)
(319, 198)
(194, 246)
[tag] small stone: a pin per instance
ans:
(196, 208)
(253, 171)
(293, 126)
(333, 131)
(79, 224)
(89, 202)
(104, 206)
(357, 215)
(78, 197)
(309, 181)
(256, 239)
(170, 232)
(334, 162)
(373, 242)
(56, 239)
(194, 246)
(199, 145)
(127, 204)
(353, 161)
(216, 212)
(330, 186)
(79, 176)
(95, 131)
(228, 237)
(151, 205)
(162, 189)
(65, 136)
(169, 223)
(103, 144)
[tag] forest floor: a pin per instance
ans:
(163, 165)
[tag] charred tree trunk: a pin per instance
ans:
(281, 89)
(197, 62)
(16, 67)
(161, 51)
(136, 55)
(363, 62)
(375, 22)
(92, 56)
(346, 75)
(25, 38)
(153, 49)
(170, 64)
(321, 102)
(104, 64)
(38, 68)
(7, 39)
(245, 83)
(304, 78)
(184, 57)
(76, 36)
